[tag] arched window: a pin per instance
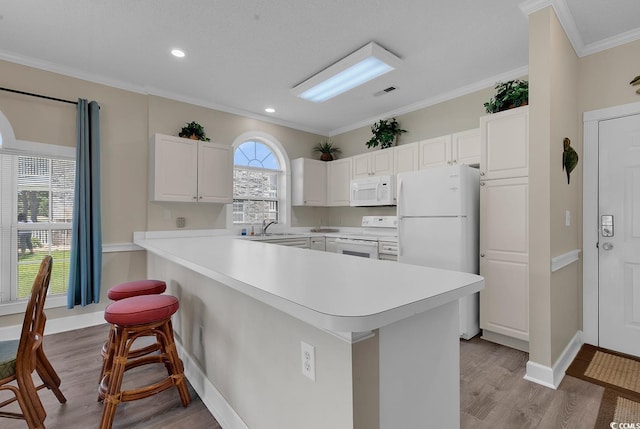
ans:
(258, 181)
(36, 188)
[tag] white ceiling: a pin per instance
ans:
(246, 55)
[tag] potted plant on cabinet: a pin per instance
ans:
(385, 132)
(509, 95)
(194, 131)
(327, 150)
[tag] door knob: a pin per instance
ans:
(607, 246)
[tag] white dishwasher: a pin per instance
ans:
(357, 247)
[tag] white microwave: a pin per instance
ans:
(372, 191)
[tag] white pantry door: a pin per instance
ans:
(619, 236)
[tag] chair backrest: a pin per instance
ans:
(34, 318)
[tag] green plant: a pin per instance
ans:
(194, 129)
(385, 132)
(327, 150)
(511, 94)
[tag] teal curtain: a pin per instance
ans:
(85, 267)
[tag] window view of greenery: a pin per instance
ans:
(255, 184)
(44, 213)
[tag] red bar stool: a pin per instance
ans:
(122, 291)
(133, 318)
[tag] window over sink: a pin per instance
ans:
(259, 181)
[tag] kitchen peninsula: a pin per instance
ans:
(385, 334)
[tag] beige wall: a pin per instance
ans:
(565, 122)
(604, 77)
(460, 114)
(128, 120)
(554, 297)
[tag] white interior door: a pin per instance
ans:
(619, 235)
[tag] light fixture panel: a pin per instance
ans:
(359, 67)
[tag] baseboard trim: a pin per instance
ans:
(552, 376)
(60, 324)
(211, 397)
(504, 340)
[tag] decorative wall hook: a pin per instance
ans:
(569, 158)
(636, 81)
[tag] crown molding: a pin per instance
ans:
(477, 86)
(143, 90)
(570, 28)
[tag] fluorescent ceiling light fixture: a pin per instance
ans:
(177, 53)
(270, 110)
(367, 63)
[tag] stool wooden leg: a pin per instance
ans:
(108, 352)
(114, 377)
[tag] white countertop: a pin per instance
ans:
(338, 293)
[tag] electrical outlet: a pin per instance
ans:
(181, 222)
(308, 361)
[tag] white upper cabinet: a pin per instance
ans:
(376, 163)
(434, 152)
(215, 173)
(188, 170)
(466, 147)
(338, 182)
(308, 182)
(458, 148)
(405, 158)
(505, 144)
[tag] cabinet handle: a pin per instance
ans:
(482, 173)
(195, 198)
(482, 183)
(200, 197)
(482, 255)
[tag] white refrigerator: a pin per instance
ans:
(438, 226)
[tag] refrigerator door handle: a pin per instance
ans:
(399, 197)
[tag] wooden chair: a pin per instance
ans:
(20, 358)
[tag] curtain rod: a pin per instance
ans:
(38, 95)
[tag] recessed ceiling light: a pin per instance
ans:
(177, 53)
(270, 110)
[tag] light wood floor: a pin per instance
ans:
(493, 392)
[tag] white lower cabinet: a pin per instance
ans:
(317, 243)
(330, 245)
(504, 259)
(302, 242)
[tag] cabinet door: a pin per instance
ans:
(405, 158)
(504, 257)
(434, 152)
(466, 147)
(505, 144)
(173, 169)
(360, 165)
(309, 182)
(382, 162)
(317, 243)
(330, 245)
(338, 182)
(215, 173)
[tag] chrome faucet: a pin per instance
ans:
(266, 225)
